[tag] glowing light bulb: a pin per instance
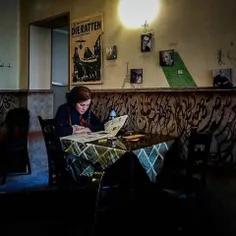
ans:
(134, 13)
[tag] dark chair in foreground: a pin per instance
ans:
(62, 175)
(189, 178)
(14, 146)
(183, 187)
(61, 170)
(56, 158)
(111, 186)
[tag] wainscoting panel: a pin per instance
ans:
(39, 104)
(8, 101)
(175, 113)
(165, 113)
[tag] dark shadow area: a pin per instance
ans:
(14, 144)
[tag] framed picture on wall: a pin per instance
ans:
(233, 76)
(86, 50)
(222, 78)
(166, 57)
(111, 52)
(146, 42)
(136, 76)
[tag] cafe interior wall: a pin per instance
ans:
(196, 33)
(192, 28)
(9, 45)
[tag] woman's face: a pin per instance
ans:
(166, 58)
(82, 107)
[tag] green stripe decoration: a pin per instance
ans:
(174, 76)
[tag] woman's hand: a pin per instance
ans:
(82, 130)
(78, 127)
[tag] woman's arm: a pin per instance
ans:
(95, 123)
(63, 125)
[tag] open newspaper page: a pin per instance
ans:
(112, 127)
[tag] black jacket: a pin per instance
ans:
(67, 116)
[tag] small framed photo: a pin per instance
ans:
(146, 42)
(136, 76)
(222, 78)
(233, 76)
(167, 57)
(111, 53)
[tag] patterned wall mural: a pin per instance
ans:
(38, 104)
(164, 113)
(175, 113)
(8, 101)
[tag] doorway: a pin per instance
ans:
(60, 65)
(49, 57)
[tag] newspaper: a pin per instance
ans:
(112, 127)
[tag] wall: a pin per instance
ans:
(60, 40)
(8, 101)
(193, 29)
(60, 59)
(9, 44)
(39, 104)
(40, 57)
(59, 97)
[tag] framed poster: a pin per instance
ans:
(86, 50)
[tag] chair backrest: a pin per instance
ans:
(56, 159)
(17, 123)
(198, 154)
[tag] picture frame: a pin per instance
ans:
(166, 57)
(146, 42)
(136, 76)
(111, 53)
(86, 58)
(222, 78)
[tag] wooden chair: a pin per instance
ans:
(189, 178)
(61, 174)
(61, 171)
(182, 186)
(198, 156)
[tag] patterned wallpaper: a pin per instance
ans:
(166, 113)
(175, 113)
(8, 101)
(39, 104)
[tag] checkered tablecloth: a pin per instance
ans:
(151, 158)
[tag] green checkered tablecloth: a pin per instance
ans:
(151, 157)
(93, 153)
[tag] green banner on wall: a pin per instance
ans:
(178, 75)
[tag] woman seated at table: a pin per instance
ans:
(75, 116)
